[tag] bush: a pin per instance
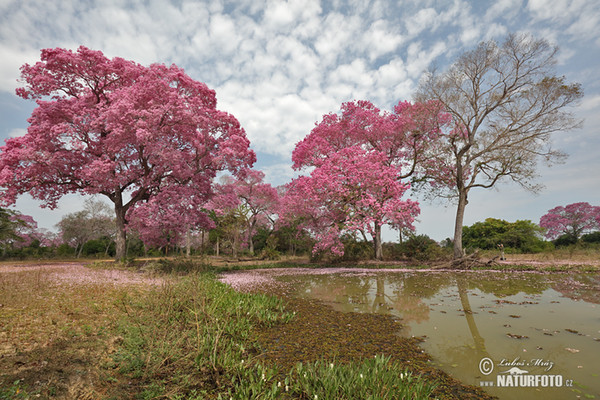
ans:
(180, 266)
(522, 236)
(99, 247)
(422, 248)
(356, 250)
(593, 237)
(65, 250)
(565, 240)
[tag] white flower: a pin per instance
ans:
(287, 388)
(263, 377)
(278, 384)
(361, 376)
(401, 376)
(331, 365)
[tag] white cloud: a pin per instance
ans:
(505, 9)
(424, 19)
(380, 39)
(279, 66)
(17, 132)
(12, 58)
(419, 59)
(579, 18)
(279, 174)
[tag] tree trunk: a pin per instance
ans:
(250, 242)
(188, 242)
(377, 242)
(121, 238)
(458, 224)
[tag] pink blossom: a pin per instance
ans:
(573, 219)
(138, 135)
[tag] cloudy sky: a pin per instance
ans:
(279, 66)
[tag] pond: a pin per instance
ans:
(516, 334)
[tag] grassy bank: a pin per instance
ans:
(179, 337)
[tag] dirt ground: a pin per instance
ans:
(56, 324)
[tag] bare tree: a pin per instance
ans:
(505, 101)
(93, 222)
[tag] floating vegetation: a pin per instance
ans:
(514, 336)
(570, 350)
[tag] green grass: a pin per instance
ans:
(194, 338)
(191, 336)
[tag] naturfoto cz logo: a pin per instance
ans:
(514, 374)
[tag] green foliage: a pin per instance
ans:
(179, 266)
(356, 250)
(376, 378)
(522, 236)
(15, 391)
(593, 237)
(193, 332)
(421, 248)
(9, 226)
(65, 250)
(565, 240)
(99, 247)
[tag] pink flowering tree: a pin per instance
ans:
(241, 205)
(258, 203)
(171, 218)
(360, 157)
(573, 220)
(352, 190)
(16, 229)
(405, 136)
(120, 129)
(225, 214)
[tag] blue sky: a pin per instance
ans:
(279, 66)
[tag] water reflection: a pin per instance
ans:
(478, 340)
(508, 317)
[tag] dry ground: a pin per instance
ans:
(55, 327)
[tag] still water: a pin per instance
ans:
(485, 328)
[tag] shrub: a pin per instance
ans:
(422, 248)
(356, 250)
(565, 240)
(593, 237)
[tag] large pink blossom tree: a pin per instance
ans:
(120, 129)
(360, 157)
(352, 190)
(572, 220)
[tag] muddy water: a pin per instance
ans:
(481, 326)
